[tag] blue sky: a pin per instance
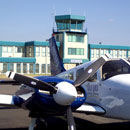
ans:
(107, 21)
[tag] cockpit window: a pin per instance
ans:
(114, 67)
(68, 75)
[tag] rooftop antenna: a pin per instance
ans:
(53, 16)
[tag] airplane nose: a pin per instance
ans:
(121, 80)
(66, 93)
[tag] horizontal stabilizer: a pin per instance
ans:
(91, 109)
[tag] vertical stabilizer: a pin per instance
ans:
(55, 60)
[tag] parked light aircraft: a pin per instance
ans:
(107, 91)
(46, 96)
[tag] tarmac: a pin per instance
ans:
(17, 119)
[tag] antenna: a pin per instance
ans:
(53, 16)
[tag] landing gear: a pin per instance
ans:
(37, 123)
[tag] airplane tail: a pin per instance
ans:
(55, 60)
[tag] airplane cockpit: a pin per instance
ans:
(111, 68)
(115, 67)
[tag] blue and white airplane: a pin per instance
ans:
(97, 87)
(46, 96)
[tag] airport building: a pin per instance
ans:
(116, 51)
(33, 57)
(25, 57)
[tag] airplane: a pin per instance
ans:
(107, 91)
(48, 96)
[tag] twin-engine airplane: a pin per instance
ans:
(96, 87)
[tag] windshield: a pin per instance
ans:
(115, 67)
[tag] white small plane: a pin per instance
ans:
(108, 90)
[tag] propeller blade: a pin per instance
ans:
(90, 71)
(31, 82)
(70, 119)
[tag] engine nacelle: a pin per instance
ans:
(66, 93)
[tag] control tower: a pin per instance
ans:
(73, 39)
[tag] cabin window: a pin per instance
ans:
(114, 67)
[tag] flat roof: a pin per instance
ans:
(109, 46)
(68, 17)
(28, 43)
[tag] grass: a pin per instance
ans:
(3, 76)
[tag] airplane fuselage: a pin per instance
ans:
(109, 88)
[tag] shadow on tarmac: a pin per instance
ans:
(61, 124)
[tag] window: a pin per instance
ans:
(48, 68)
(11, 67)
(102, 52)
(5, 66)
(79, 25)
(97, 53)
(43, 68)
(111, 53)
(24, 68)
(116, 53)
(129, 53)
(73, 24)
(92, 53)
(75, 38)
(43, 51)
(120, 53)
(5, 49)
(75, 51)
(37, 68)
(114, 67)
(18, 68)
(31, 68)
(19, 49)
(37, 51)
(10, 49)
(47, 51)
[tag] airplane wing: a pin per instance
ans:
(55, 60)
(10, 101)
(91, 109)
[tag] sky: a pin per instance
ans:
(107, 21)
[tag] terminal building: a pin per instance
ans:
(33, 57)
(116, 51)
(25, 57)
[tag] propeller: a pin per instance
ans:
(90, 71)
(31, 82)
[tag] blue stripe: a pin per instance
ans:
(15, 60)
